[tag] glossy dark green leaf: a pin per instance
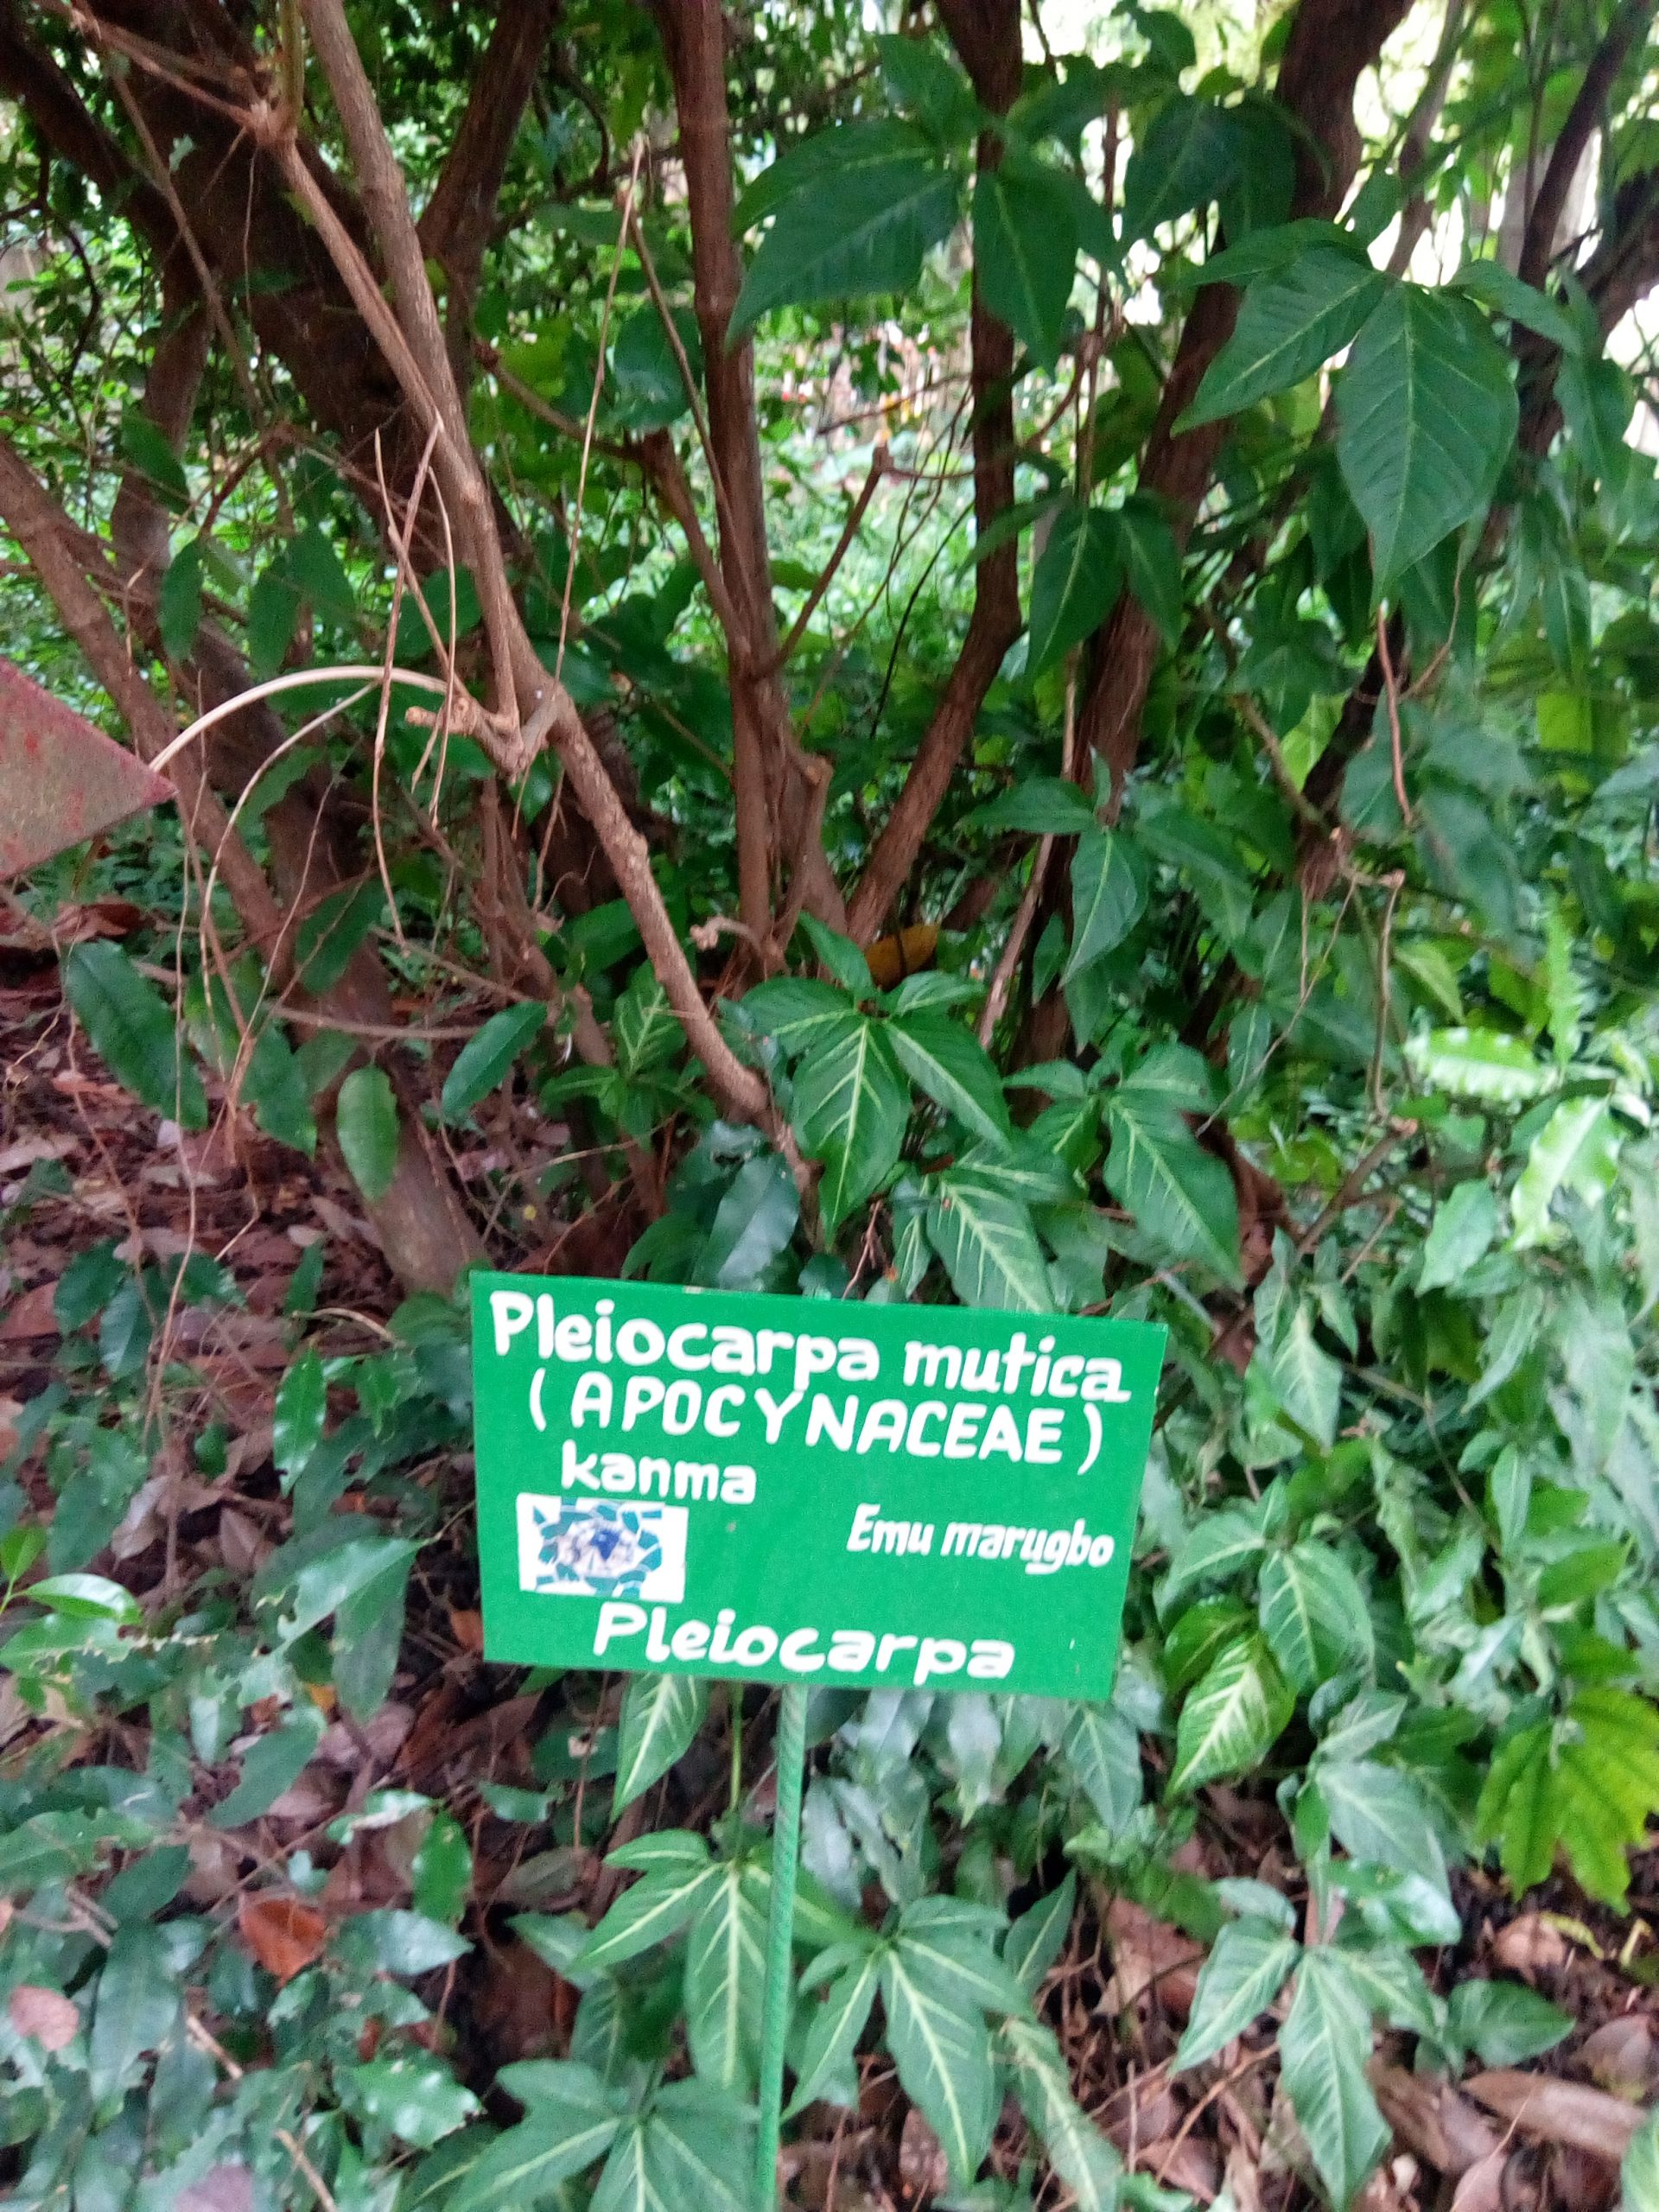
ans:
(133, 1031)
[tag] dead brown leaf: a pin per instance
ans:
(1558, 2112)
(1480, 2187)
(285, 1935)
(1430, 2119)
(922, 2166)
(1530, 1946)
(221, 2189)
(1150, 1955)
(45, 2016)
(1622, 2058)
(30, 1316)
(467, 1628)
(240, 1544)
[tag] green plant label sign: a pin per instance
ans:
(702, 1482)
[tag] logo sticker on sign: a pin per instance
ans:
(800, 1491)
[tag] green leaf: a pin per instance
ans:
(1078, 577)
(85, 1597)
(1638, 2175)
(1152, 563)
(725, 1975)
(1233, 1718)
(133, 1031)
(1109, 894)
(1481, 1063)
(1186, 159)
(943, 2052)
(274, 607)
(851, 1106)
(1324, 2049)
(570, 2122)
(753, 1224)
(645, 1029)
(921, 79)
(1026, 250)
(1499, 288)
(415, 2098)
(138, 2001)
(1305, 1381)
(1313, 1614)
(1426, 415)
(1102, 1753)
(272, 1764)
(368, 1629)
(1503, 2022)
(953, 1954)
(178, 609)
(1464, 1229)
(893, 202)
(1082, 2157)
(485, 1061)
(46, 1847)
(650, 391)
(953, 1068)
(1587, 1784)
(1036, 1939)
(1248, 1965)
(844, 959)
(366, 1122)
(275, 1085)
(301, 1408)
(834, 2028)
(798, 1011)
(986, 1239)
(689, 2150)
(1181, 1197)
(330, 934)
(653, 1911)
(1042, 806)
(1378, 1813)
(1215, 1548)
(661, 1713)
(1576, 1151)
(1290, 324)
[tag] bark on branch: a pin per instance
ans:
(1330, 43)
(986, 33)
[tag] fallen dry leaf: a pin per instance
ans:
(1531, 1946)
(1150, 1955)
(30, 1316)
(45, 2016)
(1622, 2058)
(1480, 2188)
(240, 1544)
(1558, 2112)
(467, 1628)
(1429, 2116)
(221, 2189)
(1182, 2163)
(922, 2166)
(285, 1935)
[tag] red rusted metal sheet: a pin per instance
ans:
(61, 781)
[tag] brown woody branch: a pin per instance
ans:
(539, 703)
(1629, 21)
(1330, 43)
(777, 805)
(986, 33)
(459, 219)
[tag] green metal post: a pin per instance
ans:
(774, 2022)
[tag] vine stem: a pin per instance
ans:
(791, 1757)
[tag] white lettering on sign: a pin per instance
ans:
(986, 1659)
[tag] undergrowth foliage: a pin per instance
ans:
(1073, 725)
